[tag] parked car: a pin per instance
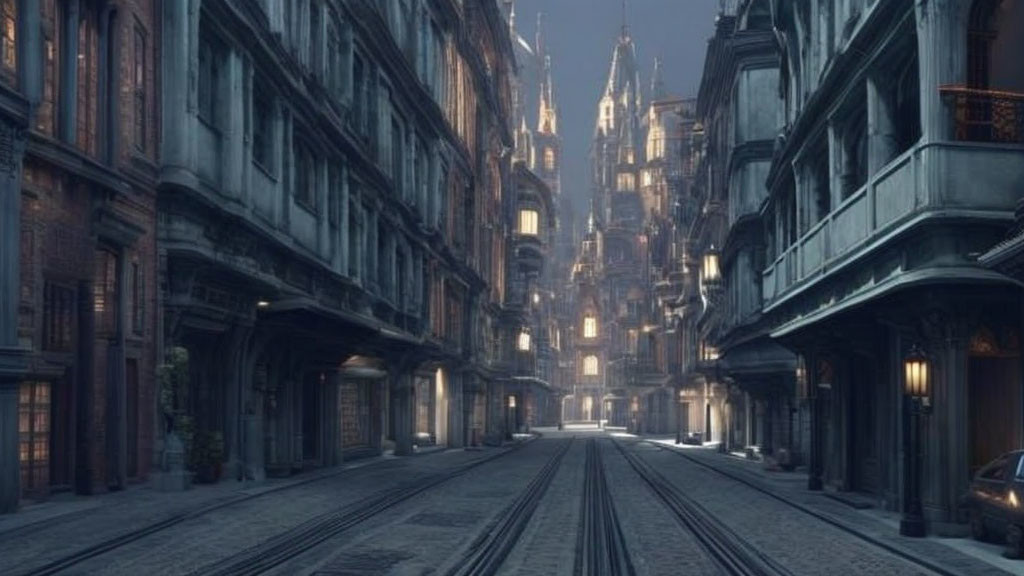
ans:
(994, 502)
(694, 438)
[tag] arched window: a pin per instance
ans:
(590, 367)
(590, 327)
(549, 159)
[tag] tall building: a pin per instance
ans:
(626, 275)
(739, 379)
(78, 316)
(892, 182)
(333, 229)
(532, 300)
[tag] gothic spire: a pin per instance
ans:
(657, 81)
(539, 39)
(547, 116)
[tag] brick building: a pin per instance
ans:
(79, 313)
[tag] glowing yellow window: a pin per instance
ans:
(590, 366)
(549, 159)
(590, 327)
(528, 222)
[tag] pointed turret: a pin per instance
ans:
(547, 116)
(538, 41)
(658, 91)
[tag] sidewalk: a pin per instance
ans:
(197, 499)
(959, 555)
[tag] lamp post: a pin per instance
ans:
(916, 401)
(679, 417)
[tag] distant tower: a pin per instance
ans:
(547, 142)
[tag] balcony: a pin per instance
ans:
(530, 253)
(945, 179)
(986, 115)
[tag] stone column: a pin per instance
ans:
(942, 53)
(401, 390)
(237, 378)
(68, 103)
(177, 62)
(331, 418)
(12, 360)
(341, 262)
(456, 431)
(881, 125)
(233, 134)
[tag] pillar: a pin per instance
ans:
(68, 102)
(233, 134)
(401, 390)
(942, 53)
(12, 360)
(331, 418)
(881, 125)
(177, 127)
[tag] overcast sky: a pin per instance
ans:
(580, 37)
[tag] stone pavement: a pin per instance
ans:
(959, 555)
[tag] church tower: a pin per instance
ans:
(547, 143)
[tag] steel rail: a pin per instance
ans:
(299, 539)
(489, 550)
(922, 562)
(600, 545)
(128, 537)
(733, 554)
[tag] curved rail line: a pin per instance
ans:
(733, 554)
(922, 562)
(490, 549)
(120, 540)
(295, 541)
(600, 545)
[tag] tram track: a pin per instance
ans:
(733, 554)
(489, 550)
(895, 550)
(294, 542)
(111, 544)
(601, 548)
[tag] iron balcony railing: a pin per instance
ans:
(986, 115)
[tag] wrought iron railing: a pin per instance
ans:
(986, 115)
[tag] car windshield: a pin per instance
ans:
(996, 470)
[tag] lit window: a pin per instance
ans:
(590, 327)
(590, 366)
(627, 182)
(524, 341)
(549, 159)
(528, 222)
(9, 35)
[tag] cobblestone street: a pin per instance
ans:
(515, 509)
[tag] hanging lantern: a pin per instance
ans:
(916, 374)
(524, 341)
(709, 270)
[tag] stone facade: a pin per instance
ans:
(332, 232)
(741, 379)
(80, 306)
(896, 165)
(627, 274)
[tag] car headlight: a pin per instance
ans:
(1012, 499)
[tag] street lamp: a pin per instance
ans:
(710, 270)
(916, 389)
(679, 416)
